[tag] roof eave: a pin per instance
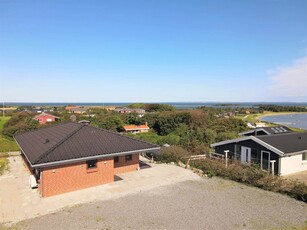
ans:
(23, 152)
(253, 138)
(295, 153)
(70, 161)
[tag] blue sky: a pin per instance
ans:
(153, 51)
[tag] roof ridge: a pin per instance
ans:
(46, 127)
(118, 134)
(59, 143)
(284, 134)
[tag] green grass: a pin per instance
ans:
(6, 145)
(3, 120)
(3, 164)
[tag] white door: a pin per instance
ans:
(245, 155)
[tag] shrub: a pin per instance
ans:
(255, 176)
(173, 154)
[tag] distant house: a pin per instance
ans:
(70, 107)
(266, 131)
(287, 151)
(72, 156)
(260, 124)
(43, 118)
(251, 125)
(140, 112)
(79, 110)
(76, 109)
(136, 128)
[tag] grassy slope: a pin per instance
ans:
(6, 144)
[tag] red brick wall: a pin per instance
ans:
(124, 166)
(66, 178)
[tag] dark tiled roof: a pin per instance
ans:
(287, 143)
(69, 141)
(277, 129)
(267, 131)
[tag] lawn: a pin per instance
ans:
(6, 145)
(3, 164)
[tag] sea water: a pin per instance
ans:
(292, 120)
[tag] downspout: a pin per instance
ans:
(279, 165)
(41, 182)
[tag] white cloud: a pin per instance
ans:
(290, 82)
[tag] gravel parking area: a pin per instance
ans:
(193, 204)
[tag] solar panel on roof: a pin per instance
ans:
(275, 130)
(278, 128)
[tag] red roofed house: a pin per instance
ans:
(71, 156)
(43, 118)
(136, 128)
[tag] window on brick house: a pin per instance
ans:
(128, 157)
(116, 159)
(91, 164)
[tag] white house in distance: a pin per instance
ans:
(136, 128)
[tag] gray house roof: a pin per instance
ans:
(282, 144)
(268, 130)
(72, 142)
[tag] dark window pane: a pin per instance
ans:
(128, 157)
(91, 164)
(116, 159)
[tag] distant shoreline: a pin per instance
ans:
(178, 105)
(286, 123)
(278, 114)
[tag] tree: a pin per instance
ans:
(114, 123)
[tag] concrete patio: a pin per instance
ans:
(18, 201)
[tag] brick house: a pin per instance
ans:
(72, 156)
(43, 118)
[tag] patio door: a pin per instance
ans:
(265, 160)
(245, 155)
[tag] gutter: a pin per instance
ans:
(295, 153)
(23, 152)
(90, 158)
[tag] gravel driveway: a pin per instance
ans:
(193, 204)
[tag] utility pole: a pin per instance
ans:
(3, 110)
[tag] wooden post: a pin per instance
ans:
(226, 157)
(272, 166)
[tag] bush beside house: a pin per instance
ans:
(251, 175)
